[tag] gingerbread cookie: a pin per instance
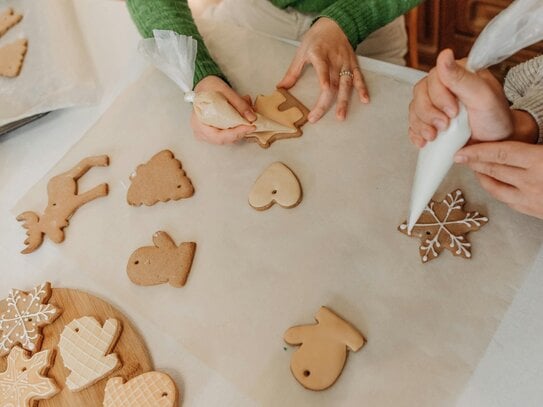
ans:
(151, 389)
(85, 348)
(8, 18)
(64, 200)
(165, 262)
(277, 184)
(445, 225)
(160, 179)
(282, 108)
(22, 316)
(25, 381)
(12, 58)
(321, 357)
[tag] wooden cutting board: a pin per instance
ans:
(130, 347)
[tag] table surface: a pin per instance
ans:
(510, 373)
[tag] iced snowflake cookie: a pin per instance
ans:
(277, 184)
(445, 225)
(85, 348)
(22, 315)
(283, 108)
(151, 389)
(25, 381)
(63, 200)
(165, 262)
(160, 179)
(323, 350)
(8, 19)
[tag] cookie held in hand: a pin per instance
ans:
(151, 389)
(277, 184)
(282, 108)
(445, 225)
(321, 357)
(165, 262)
(161, 179)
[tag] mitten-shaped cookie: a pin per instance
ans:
(165, 262)
(84, 346)
(151, 389)
(320, 359)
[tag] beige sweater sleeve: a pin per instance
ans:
(524, 89)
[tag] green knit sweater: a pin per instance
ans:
(357, 18)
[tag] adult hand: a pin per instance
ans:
(510, 171)
(242, 105)
(435, 102)
(327, 48)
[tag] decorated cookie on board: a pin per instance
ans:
(165, 262)
(161, 179)
(85, 348)
(64, 200)
(445, 225)
(25, 379)
(283, 108)
(23, 315)
(277, 184)
(323, 349)
(151, 389)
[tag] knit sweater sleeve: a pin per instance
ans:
(174, 15)
(524, 89)
(359, 18)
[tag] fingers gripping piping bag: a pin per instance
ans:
(517, 27)
(175, 55)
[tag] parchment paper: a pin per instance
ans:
(57, 71)
(256, 274)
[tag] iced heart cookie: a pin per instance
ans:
(23, 315)
(12, 58)
(323, 349)
(85, 348)
(277, 184)
(165, 262)
(151, 389)
(159, 180)
(64, 200)
(282, 108)
(445, 225)
(8, 18)
(25, 381)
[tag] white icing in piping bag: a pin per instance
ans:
(517, 27)
(175, 55)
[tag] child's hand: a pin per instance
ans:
(435, 102)
(242, 105)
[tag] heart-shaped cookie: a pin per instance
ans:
(277, 184)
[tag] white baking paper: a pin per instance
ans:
(57, 72)
(255, 273)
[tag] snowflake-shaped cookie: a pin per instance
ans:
(24, 380)
(22, 314)
(445, 224)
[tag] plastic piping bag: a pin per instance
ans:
(515, 28)
(175, 55)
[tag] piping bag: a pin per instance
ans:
(175, 55)
(517, 27)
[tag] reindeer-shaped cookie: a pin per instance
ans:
(165, 262)
(320, 359)
(64, 200)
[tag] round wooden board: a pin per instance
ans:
(130, 347)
